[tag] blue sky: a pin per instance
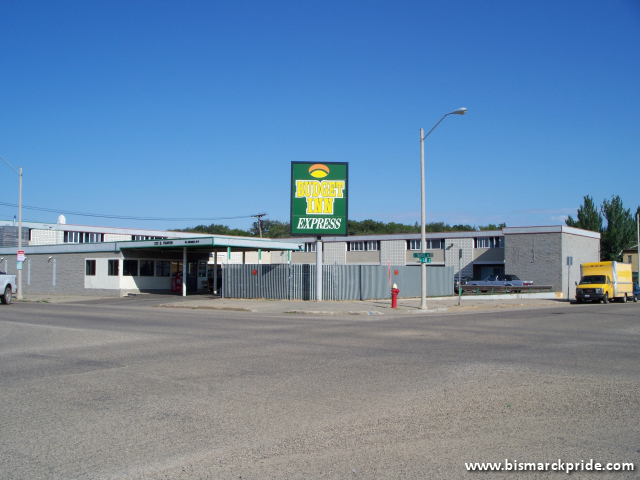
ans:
(196, 109)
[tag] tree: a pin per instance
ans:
(215, 230)
(588, 217)
(620, 232)
(491, 226)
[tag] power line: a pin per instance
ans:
(118, 217)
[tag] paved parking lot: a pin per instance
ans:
(128, 390)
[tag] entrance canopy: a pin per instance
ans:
(212, 244)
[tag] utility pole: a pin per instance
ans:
(19, 263)
(259, 217)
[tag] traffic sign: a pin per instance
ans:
(423, 255)
(425, 259)
(21, 255)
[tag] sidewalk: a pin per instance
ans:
(366, 307)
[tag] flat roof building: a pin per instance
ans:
(81, 259)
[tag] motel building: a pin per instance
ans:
(64, 259)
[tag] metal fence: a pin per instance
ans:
(339, 282)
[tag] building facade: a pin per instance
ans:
(128, 260)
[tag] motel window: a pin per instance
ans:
(130, 268)
(309, 247)
(489, 242)
(356, 246)
(368, 246)
(176, 267)
(114, 268)
(82, 237)
(146, 268)
(90, 268)
(145, 237)
(629, 257)
(163, 268)
(430, 244)
(372, 246)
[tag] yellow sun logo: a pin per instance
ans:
(318, 170)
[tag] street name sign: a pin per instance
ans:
(425, 259)
(423, 255)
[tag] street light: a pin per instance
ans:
(19, 226)
(423, 266)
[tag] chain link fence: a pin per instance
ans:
(339, 282)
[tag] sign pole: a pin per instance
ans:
(20, 237)
(423, 267)
(459, 273)
(318, 269)
(569, 263)
(184, 271)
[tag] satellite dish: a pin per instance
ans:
(61, 220)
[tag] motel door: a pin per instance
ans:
(192, 277)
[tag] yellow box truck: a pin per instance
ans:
(604, 281)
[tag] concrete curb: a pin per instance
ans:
(201, 307)
(319, 312)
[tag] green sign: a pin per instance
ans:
(319, 198)
(422, 255)
(425, 259)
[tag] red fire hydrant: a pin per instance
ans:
(394, 296)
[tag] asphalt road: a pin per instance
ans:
(124, 390)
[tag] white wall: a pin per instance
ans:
(46, 236)
(116, 237)
(101, 279)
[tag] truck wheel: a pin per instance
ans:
(605, 300)
(624, 299)
(6, 298)
(635, 299)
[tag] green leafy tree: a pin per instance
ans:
(620, 232)
(215, 230)
(588, 217)
(491, 226)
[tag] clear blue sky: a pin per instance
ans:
(196, 109)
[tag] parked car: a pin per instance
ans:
(501, 281)
(8, 287)
(463, 281)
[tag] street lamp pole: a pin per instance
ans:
(423, 241)
(19, 225)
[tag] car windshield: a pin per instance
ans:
(593, 279)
